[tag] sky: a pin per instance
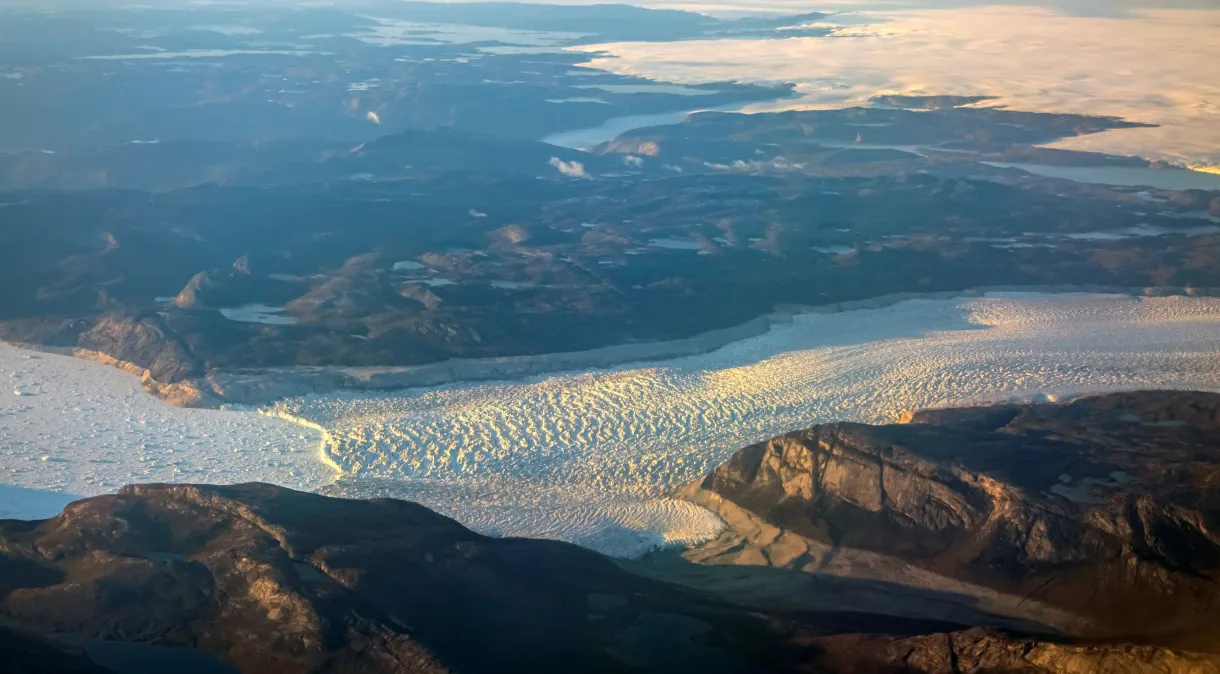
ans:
(1074, 7)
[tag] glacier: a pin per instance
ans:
(593, 456)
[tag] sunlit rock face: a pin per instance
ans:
(1057, 57)
(592, 456)
(1091, 513)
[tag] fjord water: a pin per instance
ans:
(1129, 176)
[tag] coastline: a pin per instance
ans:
(254, 388)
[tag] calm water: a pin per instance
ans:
(1130, 176)
(581, 139)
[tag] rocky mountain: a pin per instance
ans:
(272, 580)
(978, 651)
(1097, 516)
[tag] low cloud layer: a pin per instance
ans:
(1154, 66)
(572, 169)
(777, 165)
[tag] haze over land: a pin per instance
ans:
(627, 277)
(1026, 57)
(325, 188)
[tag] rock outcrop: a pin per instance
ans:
(978, 651)
(272, 580)
(142, 340)
(1098, 516)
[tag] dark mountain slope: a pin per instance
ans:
(273, 580)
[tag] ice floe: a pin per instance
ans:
(87, 429)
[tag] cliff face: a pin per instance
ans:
(143, 341)
(1105, 508)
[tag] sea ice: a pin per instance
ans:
(92, 429)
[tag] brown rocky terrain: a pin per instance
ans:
(425, 248)
(272, 580)
(978, 651)
(1098, 516)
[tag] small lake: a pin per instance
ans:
(393, 32)
(674, 89)
(1127, 176)
(583, 139)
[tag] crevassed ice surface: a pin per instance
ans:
(591, 456)
(71, 428)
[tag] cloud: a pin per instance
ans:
(572, 169)
(779, 164)
(374, 117)
(632, 160)
(1160, 67)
